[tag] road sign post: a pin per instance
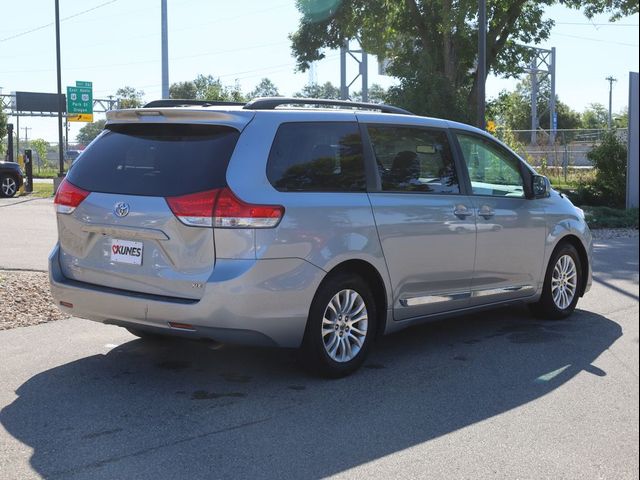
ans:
(80, 102)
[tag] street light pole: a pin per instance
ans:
(60, 104)
(610, 79)
(165, 49)
(482, 61)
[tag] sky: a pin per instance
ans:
(117, 43)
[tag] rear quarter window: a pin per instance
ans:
(156, 160)
(317, 157)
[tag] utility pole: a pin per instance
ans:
(610, 79)
(482, 61)
(165, 49)
(26, 135)
(60, 105)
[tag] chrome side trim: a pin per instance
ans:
(428, 299)
(447, 297)
(502, 290)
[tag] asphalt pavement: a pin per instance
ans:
(27, 233)
(492, 395)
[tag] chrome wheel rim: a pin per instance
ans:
(564, 282)
(344, 325)
(8, 186)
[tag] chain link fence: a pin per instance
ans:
(568, 149)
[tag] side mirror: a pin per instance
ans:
(540, 186)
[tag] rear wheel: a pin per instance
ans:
(340, 328)
(561, 285)
(8, 186)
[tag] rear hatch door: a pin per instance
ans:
(123, 234)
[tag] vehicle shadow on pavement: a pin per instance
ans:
(177, 409)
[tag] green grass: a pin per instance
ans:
(605, 217)
(40, 190)
(574, 178)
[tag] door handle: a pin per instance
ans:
(486, 212)
(462, 212)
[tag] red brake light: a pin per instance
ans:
(68, 197)
(232, 212)
(221, 208)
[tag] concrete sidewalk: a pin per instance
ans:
(27, 233)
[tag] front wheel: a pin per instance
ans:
(561, 285)
(8, 186)
(340, 328)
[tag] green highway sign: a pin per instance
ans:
(80, 102)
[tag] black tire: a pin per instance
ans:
(546, 308)
(313, 352)
(3, 179)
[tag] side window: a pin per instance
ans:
(317, 157)
(492, 170)
(413, 159)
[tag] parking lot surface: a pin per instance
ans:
(492, 395)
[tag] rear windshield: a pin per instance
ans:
(156, 160)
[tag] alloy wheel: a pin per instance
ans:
(344, 325)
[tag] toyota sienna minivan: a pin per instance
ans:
(308, 224)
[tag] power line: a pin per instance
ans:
(42, 27)
(599, 24)
(596, 40)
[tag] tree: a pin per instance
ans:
(595, 116)
(377, 94)
(129, 97)
(3, 130)
(266, 88)
(210, 88)
(40, 146)
(621, 120)
(89, 132)
(183, 90)
(512, 110)
(433, 44)
(327, 91)
(610, 162)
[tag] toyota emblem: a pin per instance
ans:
(121, 209)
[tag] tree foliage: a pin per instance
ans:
(315, 90)
(432, 44)
(3, 131)
(206, 87)
(89, 132)
(183, 90)
(595, 116)
(610, 161)
(40, 146)
(266, 88)
(129, 97)
(512, 110)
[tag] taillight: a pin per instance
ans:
(194, 209)
(221, 208)
(68, 197)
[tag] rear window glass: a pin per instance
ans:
(156, 160)
(317, 157)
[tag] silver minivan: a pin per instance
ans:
(307, 224)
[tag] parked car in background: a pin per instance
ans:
(11, 179)
(310, 228)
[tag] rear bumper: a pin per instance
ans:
(251, 302)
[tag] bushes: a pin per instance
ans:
(610, 184)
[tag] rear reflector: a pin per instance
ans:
(221, 208)
(68, 197)
(181, 326)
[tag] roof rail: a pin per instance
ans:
(189, 103)
(271, 103)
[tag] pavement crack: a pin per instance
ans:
(144, 451)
